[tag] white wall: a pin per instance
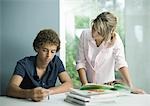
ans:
(22, 20)
(137, 24)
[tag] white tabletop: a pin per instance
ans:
(58, 100)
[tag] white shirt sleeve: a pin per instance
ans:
(119, 53)
(80, 58)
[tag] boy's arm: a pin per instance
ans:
(65, 86)
(13, 90)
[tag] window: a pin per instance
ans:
(76, 15)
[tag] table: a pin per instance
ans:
(58, 100)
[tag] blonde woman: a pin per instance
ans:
(101, 51)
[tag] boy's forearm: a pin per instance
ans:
(15, 91)
(65, 87)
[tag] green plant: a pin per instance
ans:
(82, 21)
(70, 59)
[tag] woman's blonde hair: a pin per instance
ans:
(105, 23)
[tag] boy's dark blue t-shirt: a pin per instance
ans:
(27, 69)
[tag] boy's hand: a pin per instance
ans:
(38, 94)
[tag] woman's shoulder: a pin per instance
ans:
(118, 40)
(116, 35)
(86, 31)
(86, 34)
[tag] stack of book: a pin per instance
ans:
(92, 94)
(87, 97)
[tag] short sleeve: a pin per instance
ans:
(60, 66)
(19, 69)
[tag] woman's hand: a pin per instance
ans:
(137, 91)
(113, 82)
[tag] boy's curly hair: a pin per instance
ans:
(46, 36)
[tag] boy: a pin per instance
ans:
(34, 77)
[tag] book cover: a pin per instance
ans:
(93, 86)
(92, 99)
(86, 103)
(94, 94)
(114, 86)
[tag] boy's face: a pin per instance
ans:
(46, 52)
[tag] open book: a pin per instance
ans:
(115, 86)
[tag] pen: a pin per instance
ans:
(48, 97)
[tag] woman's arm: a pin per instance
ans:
(82, 75)
(125, 76)
(127, 79)
(80, 59)
(65, 86)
